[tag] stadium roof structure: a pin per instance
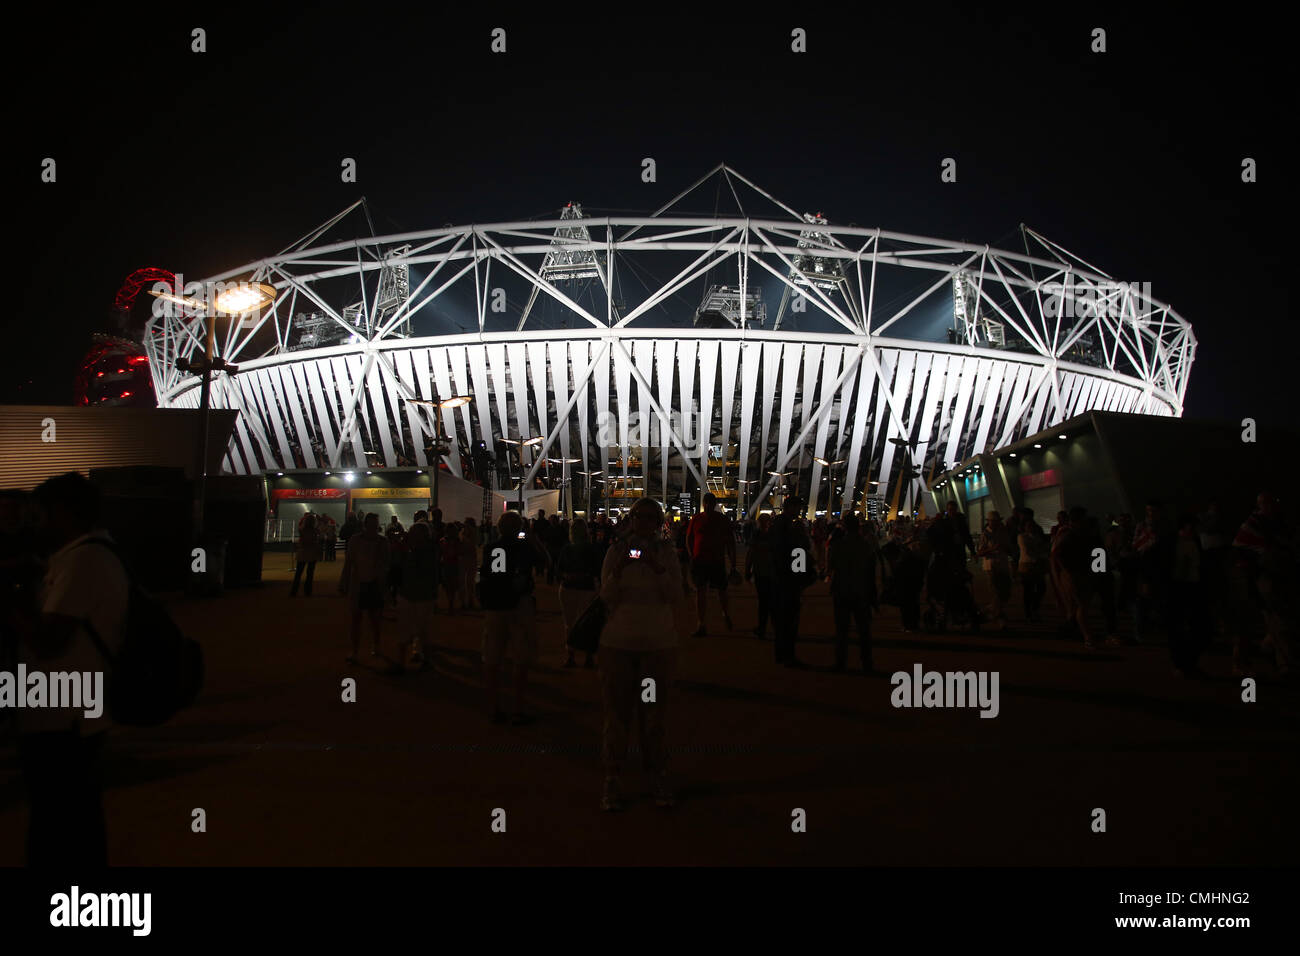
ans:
(1047, 331)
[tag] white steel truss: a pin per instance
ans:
(638, 384)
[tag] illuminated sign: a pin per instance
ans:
(299, 494)
(1043, 479)
(391, 493)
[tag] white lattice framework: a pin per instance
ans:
(782, 397)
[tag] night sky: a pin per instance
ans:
(201, 162)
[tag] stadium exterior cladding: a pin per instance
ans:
(781, 398)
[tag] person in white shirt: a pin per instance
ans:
(59, 747)
(641, 586)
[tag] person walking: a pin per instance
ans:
(579, 577)
(792, 563)
(759, 569)
(506, 593)
(852, 561)
(365, 573)
(417, 595)
(331, 538)
(638, 651)
(452, 577)
(995, 550)
(713, 558)
(1034, 555)
(78, 614)
(467, 563)
(307, 554)
(1187, 607)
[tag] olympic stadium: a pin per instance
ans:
(753, 350)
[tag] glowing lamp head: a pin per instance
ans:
(245, 297)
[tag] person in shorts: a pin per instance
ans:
(712, 547)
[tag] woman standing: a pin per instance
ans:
(308, 553)
(641, 584)
(1033, 563)
(365, 571)
(451, 572)
(579, 572)
(419, 591)
(468, 557)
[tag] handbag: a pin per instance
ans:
(585, 634)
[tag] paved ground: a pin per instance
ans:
(411, 773)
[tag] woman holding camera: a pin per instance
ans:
(641, 587)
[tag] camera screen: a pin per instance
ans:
(634, 553)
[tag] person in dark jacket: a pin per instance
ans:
(791, 562)
(308, 553)
(852, 561)
(760, 569)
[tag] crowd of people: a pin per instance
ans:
(1184, 581)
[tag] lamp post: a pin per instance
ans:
(592, 477)
(565, 483)
(831, 466)
(440, 436)
(239, 301)
(521, 443)
(781, 485)
(912, 472)
(747, 482)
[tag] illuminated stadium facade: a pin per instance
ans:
(673, 352)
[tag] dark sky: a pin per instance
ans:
(200, 163)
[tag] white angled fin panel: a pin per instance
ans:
(375, 386)
(730, 357)
(790, 355)
(476, 355)
(438, 359)
(665, 362)
(771, 375)
(580, 356)
(643, 356)
(496, 358)
(559, 361)
(686, 354)
(708, 376)
(460, 385)
(537, 372)
(518, 364)
(750, 358)
(991, 396)
(623, 390)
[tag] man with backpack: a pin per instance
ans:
(84, 596)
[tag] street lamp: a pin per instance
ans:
(238, 300)
(780, 483)
(521, 444)
(565, 482)
(440, 436)
(592, 476)
(831, 465)
(747, 481)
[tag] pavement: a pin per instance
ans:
(414, 772)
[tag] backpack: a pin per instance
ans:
(158, 671)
